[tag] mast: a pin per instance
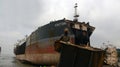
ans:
(76, 15)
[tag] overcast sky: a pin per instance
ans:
(20, 17)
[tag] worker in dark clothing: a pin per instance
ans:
(65, 37)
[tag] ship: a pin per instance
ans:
(38, 48)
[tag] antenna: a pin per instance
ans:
(76, 15)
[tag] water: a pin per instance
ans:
(10, 61)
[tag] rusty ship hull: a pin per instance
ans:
(39, 56)
(38, 48)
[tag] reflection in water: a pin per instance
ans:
(10, 61)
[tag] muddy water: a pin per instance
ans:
(10, 61)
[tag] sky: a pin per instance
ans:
(21, 17)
